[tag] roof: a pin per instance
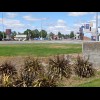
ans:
(21, 36)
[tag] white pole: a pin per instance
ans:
(96, 26)
(2, 25)
(41, 29)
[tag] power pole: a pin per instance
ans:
(41, 29)
(96, 26)
(2, 26)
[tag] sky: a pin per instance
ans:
(65, 22)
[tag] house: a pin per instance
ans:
(20, 37)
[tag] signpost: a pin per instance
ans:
(96, 26)
(2, 25)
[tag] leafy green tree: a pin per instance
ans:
(43, 33)
(36, 33)
(13, 34)
(59, 35)
(51, 35)
(1, 35)
(71, 34)
(28, 32)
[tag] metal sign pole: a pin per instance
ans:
(96, 26)
(2, 25)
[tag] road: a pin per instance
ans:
(43, 41)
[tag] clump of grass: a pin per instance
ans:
(31, 70)
(83, 68)
(60, 66)
(8, 74)
(46, 81)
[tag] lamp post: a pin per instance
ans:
(96, 26)
(2, 26)
(41, 29)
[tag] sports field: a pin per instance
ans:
(39, 50)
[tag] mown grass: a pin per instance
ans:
(93, 81)
(39, 50)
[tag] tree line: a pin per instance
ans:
(38, 34)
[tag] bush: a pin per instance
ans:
(31, 71)
(60, 66)
(46, 81)
(8, 74)
(83, 68)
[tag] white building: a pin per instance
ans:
(20, 37)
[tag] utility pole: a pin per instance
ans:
(41, 29)
(2, 25)
(96, 26)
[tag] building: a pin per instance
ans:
(76, 36)
(88, 31)
(8, 34)
(20, 37)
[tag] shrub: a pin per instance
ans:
(46, 81)
(8, 74)
(60, 66)
(32, 69)
(83, 68)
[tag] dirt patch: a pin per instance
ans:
(61, 46)
(58, 46)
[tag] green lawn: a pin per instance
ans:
(39, 49)
(94, 83)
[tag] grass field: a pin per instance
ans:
(95, 82)
(41, 50)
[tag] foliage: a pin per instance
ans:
(60, 66)
(71, 34)
(59, 35)
(32, 69)
(84, 68)
(51, 35)
(43, 33)
(47, 80)
(8, 74)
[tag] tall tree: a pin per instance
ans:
(28, 32)
(13, 34)
(59, 35)
(51, 35)
(36, 33)
(71, 34)
(43, 33)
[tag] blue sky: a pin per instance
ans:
(50, 21)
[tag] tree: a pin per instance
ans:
(13, 34)
(59, 35)
(28, 32)
(71, 34)
(51, 35)
(67, 36)
(43, 33)
(1, 35)
(36, 33)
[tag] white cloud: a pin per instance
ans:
(95, 17)
(11, 15)
(13, 24)
(30, 18)
(61, 26)
(79, 13)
